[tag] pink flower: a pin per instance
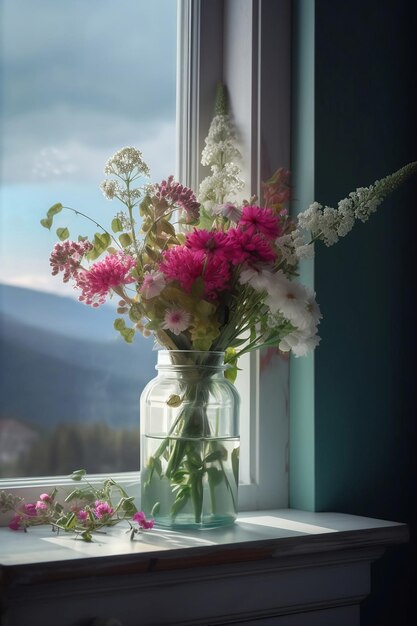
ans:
(211, 242)
(41, 506)
(30, 509)
(66, 257)
(256, 220)
(82, 515)
(181, 196)
(140, 518)
(45, 497)
(102, 509)
(185, 266)
(153, 284)
(104, 275)
(251, 248)
(15, 522)
(176, 320)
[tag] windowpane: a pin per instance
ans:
(79, 80)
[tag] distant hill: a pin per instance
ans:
(62, 361)
(57, 314)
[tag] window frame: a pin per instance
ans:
(210, 50)
(259, 87)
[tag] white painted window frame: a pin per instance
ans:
(246, 44)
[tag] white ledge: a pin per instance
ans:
(261, 534)
(271, 568)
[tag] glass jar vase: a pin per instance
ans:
(190, 442)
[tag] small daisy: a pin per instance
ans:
(153, 283)
(176, 320)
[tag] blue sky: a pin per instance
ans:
(79, 80)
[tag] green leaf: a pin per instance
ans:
(155, 508)
(235, 464)
(128, 334)
(116, 225)
(87, 536)
(215, 476)
(71, 521)
(119, 324)
(125, 240)
(74, 495)
(135, 312)
(174, 400)
(78, 474)
(55, 208)
(217, 455)
(63, 233)
(180, 502)
(47, 222)
(102, 240)
(197, 288)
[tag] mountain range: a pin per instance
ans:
(62, 361)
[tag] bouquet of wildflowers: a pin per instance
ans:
(207, 273)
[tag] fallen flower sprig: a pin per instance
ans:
(86, 510)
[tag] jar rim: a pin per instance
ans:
(196, 358)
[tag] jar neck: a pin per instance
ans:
(190, 361)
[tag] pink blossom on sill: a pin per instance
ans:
(30, 509)
(41, 506)
(45, 497)
(144, 523)
(82, 515)
(15, 522)
(103, 509)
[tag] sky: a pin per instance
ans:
(79, 79)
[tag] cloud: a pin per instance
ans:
(81, 80)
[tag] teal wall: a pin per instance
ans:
(360, 390)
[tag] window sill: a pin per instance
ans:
(319, 562)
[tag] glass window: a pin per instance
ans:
(79, 80)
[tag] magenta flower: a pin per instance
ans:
(179, 195)
(29, 509)
(45, 497)
(111, 272)
(15, 522)
(103, 509)
(82, 515)
(140, 518)
(211, 242)
(185, 266)
(251, 248)
(255, 220)
(41, 506)
(66, 257)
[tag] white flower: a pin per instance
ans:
(313, 307)
(176, 320)
(228, 210)
(329, 224)
(299, 342)
(290, 299)
(262, 280)
(153, 284)
(125, 161)
(110, 188)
